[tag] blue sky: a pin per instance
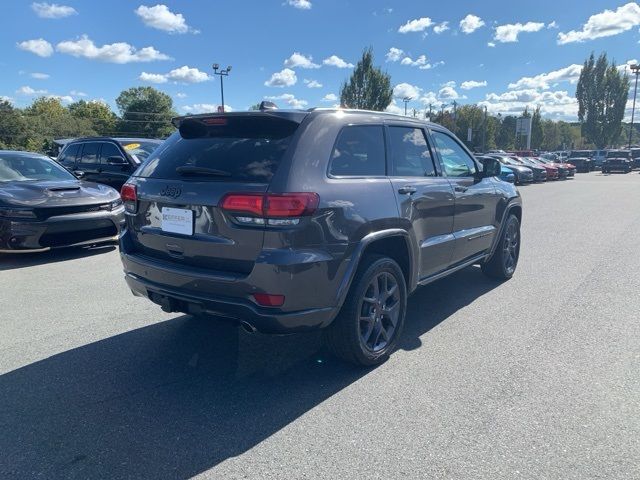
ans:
(502, 54)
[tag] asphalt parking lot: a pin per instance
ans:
(534, 378)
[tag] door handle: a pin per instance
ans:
(460, 188)
(407, 190)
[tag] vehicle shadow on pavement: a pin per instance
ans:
(13, 261)
(178, 397)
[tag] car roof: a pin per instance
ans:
(24, 153)
(117, 139)
(299, 115)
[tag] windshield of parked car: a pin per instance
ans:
(580, 154)
(139, 150)
(22, 168)
(618, 154)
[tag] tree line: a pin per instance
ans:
(601, 92)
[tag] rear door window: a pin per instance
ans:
(410, 153)
(359, 152)
(90, 153)
(242, 150)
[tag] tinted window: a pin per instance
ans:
(456, 161)
(68, 156)
(22, 168)
(243, 149)
(109, 150)
(90, 152)
(359, 152)
(411, 154)
(139, 151)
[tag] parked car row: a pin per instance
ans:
(607, 161)
(530, 169)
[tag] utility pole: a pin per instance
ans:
(442, 113)
(430, 109)
(455, 116)
(635, 69)
(484, 131)
(221, 73)
(406, 100)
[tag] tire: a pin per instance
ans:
(502, 264)
(361, 342)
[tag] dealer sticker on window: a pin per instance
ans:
(177, 220)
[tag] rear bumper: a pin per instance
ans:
(63, 231)
(310, 283)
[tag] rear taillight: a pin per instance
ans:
(268, 299)
(129, 196)
(278, 209)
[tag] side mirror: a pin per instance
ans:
(491, 168)
(79, 174)
(116, 160)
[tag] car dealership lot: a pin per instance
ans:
(533, 378)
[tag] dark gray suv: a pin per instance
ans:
(288, 221)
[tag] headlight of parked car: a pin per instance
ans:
(115, 204)
(16, 213)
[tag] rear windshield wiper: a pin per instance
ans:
(193, 170)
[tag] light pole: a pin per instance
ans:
(221, 73)
(406, 100)
(635, 69)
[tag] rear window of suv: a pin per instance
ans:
(241, 149)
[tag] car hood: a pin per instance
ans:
(519, 168)
(55, 193)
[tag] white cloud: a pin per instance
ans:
(39, 76)
(77, 93)
(335, 61)
(552, 25)
(441, 27)
(4, 98)
(312, 83)
(416, 25)
(394, 54)
(290, 100)
(28, 91)
(394, 108)
(39, 47)
(284, 78)
(161, 18)
(450, 83)
(491, 44)
(403, 90)
(181, 95)
(469, 84)
(114, 53)
(545, 81)
(298, 60)
(448, 93)
(554, 104)
(204, 108)
(62, 98)
(330, 97)
(509, 33)
(605, 24)
(420, 61)
(153, 77)
(52, 10)
(471, 23)
(301, 4)
(183, 74)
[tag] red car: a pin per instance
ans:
(552, 171)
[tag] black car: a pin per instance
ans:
(109, 161)
(635, 154)
(289, 221)
(582, 160)
(523, 175)
(43, 206)
(618, 161)
(539, 173)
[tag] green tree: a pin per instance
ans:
(537, 133)
(506, 134)
(12, 126)
(368, 88)
(145, 112)
(97, 113)
(551, 135)
(602, 93)
(472, 117)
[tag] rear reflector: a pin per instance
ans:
(268, 300)
(272, 205)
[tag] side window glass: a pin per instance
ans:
(411, 154)
(456, 161)
(359, 152)
(90, 153)
(109, 150)
(68, 156)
